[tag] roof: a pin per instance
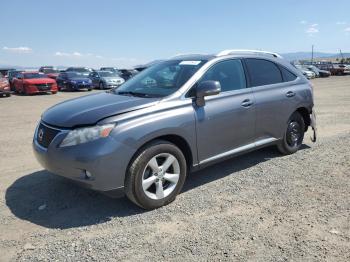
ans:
(193, 57)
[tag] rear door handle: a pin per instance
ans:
(290, 94)
(246, 103)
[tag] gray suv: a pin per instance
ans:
(174, 117)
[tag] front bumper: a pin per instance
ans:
(105, 159)
(81, 86)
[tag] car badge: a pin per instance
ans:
(41, 134)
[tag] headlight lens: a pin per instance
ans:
(86, 134)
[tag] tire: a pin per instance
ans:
(54, 92)
(89, 89)
(293, 136)
(146, 194)
(7, 94)
(101, 86)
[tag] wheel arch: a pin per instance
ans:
(177, 140)
(304, 112)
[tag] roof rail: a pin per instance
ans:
(243, 51)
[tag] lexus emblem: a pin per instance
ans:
(41, 134)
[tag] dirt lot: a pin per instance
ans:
(259, 206)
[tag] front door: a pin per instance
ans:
(227, 121)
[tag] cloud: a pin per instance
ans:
(312, 30)
(341, 23)
(303, 22)
(347, 29)
(99, 57)
(74, 54)
(19, 50)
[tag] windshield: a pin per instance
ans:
(34, 75)
(80, 69)
(74, 74)
(50, 71)
(161, 79)
(108, 74)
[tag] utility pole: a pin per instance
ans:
(341, 54)
(312, 54)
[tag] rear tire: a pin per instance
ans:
(101, 86)
(156, 175)
(293, 136)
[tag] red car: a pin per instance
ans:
(4, 86)
(34, 82)
(50, 71)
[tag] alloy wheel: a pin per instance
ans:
(160, 176)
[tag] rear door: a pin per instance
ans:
(226, 122)
(275, 97)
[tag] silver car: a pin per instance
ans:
(106, 79)
(177, 116)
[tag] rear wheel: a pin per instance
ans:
(101, 86)
(156, 175)
(293, 136)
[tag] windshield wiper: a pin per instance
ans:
(131, 93)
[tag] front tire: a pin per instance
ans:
(293, 136)
(156, 175)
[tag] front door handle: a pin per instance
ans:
(247, 103)
(290, 94)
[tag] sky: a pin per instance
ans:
(126, 33)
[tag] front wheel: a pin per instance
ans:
(156, 175)
(293, 136)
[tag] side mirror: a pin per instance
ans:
(206, 88)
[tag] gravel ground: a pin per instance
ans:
(260, 206)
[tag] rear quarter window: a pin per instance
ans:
(287, 75)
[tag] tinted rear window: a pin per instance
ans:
(263, 72)
(287, 75)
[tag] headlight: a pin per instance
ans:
(86, 134)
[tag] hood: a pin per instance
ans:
(53, 75)
(88, 110)
(35, 81)
(114, 78)
(80, 79)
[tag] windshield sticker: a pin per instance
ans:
(190, 63)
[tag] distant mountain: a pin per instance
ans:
(307, 55)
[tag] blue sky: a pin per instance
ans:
(125, 33)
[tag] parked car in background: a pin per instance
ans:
(334, 69)
(50, 71)
(111, 69)
(128, 73)
(142, 139)
(34, 82)
(82, 70)
(10, 76)
(4, 71)
(106, 79)
(73, 81)
(307, 73)
(317, 71)
(4, 86)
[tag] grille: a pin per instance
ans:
(45, 135)
(43, 87)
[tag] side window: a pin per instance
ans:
(263, 72)
(229, 73)
(287, 75)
